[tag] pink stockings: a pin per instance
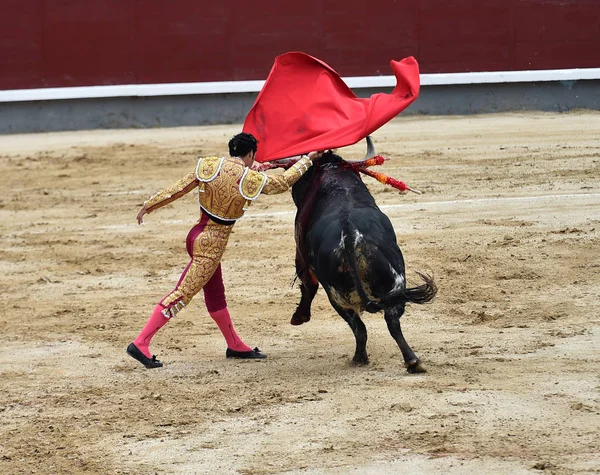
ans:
(223, 320)
(157, 320)
(214, 297)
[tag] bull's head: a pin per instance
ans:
(288, 162)
(370, 150)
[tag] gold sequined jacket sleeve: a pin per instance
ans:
(279, 183)
(171, 193)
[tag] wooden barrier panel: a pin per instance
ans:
(59, 43)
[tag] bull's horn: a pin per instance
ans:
(370, 148)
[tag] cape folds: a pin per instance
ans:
(305, 105)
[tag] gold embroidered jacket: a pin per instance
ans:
(227, 187)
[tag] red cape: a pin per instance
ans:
(305, 105)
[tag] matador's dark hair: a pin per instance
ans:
(242, 144)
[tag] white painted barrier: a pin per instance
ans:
(232, 87)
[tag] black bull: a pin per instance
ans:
(346, 243)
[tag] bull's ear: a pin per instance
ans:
(370, 148)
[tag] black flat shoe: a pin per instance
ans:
(254, 354)
(135, 353)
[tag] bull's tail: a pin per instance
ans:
(421, 294)
(350, 248)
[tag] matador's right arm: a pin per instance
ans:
(279, 183)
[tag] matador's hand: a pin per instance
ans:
(315, 155)
(140, 216)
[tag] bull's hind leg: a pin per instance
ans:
(360, 333)
(411, 361)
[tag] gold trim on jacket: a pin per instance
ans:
(226, 187)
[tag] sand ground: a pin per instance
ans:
(508, 223)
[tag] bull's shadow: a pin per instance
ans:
(348, 245)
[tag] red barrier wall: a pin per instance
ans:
(50, 43)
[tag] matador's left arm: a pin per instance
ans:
(171, 193)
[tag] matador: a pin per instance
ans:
(226, 187)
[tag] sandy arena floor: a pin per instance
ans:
(508, 223)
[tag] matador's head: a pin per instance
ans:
(243, 146)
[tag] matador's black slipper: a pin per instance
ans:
(135, 353)
(254, 354)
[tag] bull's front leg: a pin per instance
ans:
(308, 287)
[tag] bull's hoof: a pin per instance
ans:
(360, 361)
(415, 367)
(299, 319)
